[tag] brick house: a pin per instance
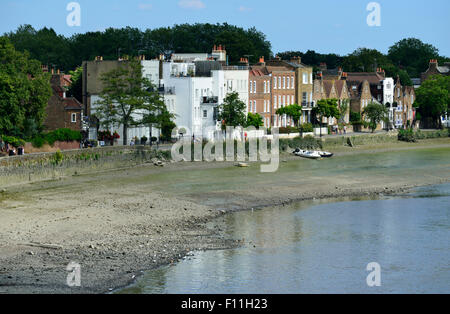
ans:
(62, 111)
(435, 69)
(260, 91)
(404, 98)
(303, 87)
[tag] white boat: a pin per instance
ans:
(325, 154)
(307, 154)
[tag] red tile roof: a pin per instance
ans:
(71, 103)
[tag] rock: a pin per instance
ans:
(30, 253)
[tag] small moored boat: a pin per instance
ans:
(307, 154)
(325, 154)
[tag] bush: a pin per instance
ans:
(61, 135)
(288, 130)
(308, 142)
(407, 135)
(306, 128)
(14, 141)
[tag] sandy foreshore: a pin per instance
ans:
(117, 224)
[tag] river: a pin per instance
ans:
(323, 247)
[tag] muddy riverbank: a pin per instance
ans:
(117, 223)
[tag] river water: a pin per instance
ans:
(324, 247)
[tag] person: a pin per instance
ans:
(345, 129)
(20, 151)
(12, 152)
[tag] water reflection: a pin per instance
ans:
(324, 249)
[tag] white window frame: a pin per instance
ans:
(73, 118)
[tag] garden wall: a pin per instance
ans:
(44, 166)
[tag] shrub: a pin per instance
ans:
(288, 130)
(306, 128)
(58, 157)
(14, 141)
(61, 135)
(407, 135)
(38, 141)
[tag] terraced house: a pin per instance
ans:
(404, 98)
(260, 91)
(303, 85)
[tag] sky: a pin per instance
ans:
(326, 26)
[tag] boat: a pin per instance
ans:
(325, 154)
(307, 154)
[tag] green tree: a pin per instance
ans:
(24, 92)
(254, 119)
(76, 88)
(433, 98)
(375, 113)
(343, 110)
(232, 111)
(326, 108)
(128, 98)
(294, 111)
(412, 55)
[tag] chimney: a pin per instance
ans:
(344, 76)
(433, 64)
(58, 72)
(262, 61)
(244, 61)
(296, 59)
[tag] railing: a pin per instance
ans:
(210, 100)
(307, 105)
(167, 90)
(235, 67)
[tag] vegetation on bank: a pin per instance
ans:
(409, 135)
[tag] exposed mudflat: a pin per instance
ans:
(116, 224)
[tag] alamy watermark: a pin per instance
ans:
(74, 17)
(374, 17)
(233, 144)
(74, 276)
(374, 277)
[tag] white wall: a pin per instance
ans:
(150, 70)
(237, 81)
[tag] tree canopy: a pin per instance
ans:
(24, 92)
(128, 99)
(375, 113)
(67, 53)
(294, 111)
(254, 119)
(232, 111)
(433, 98)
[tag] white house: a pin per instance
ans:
(388, 97)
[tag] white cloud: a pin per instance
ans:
(244, 9)
(145, 6)
(191, 4)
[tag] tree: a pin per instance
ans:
(254, 119)
(412, 55)
(376, 113)
(24, 92)
(433, 98)
(326, 108)
(294, 111)
(343, 110)
(232, 111)
(128, 98)
(76, 88)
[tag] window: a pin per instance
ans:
(305, 78)
(205, 113)
(254, 86)
(305, 97)
(251, 87)
(268, 106)
(292, 99)
(288, 82)
(275, 101)
(274, 83)
(284, 100)
(265, 87)
(311, 78)
(279, 82)
(279, 101)
(254, 106)
(74, 118)
(292, 83)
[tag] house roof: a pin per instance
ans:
(72, 103)
(443, 69)
(258, 71)
(272, 69)
(327, 85)
(339, 86)
(371, 77)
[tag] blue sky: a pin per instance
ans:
(321, 25)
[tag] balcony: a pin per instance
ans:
(166, 90)
(235, 67)
(307, 105)
(210, 100)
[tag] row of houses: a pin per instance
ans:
(194, 85)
